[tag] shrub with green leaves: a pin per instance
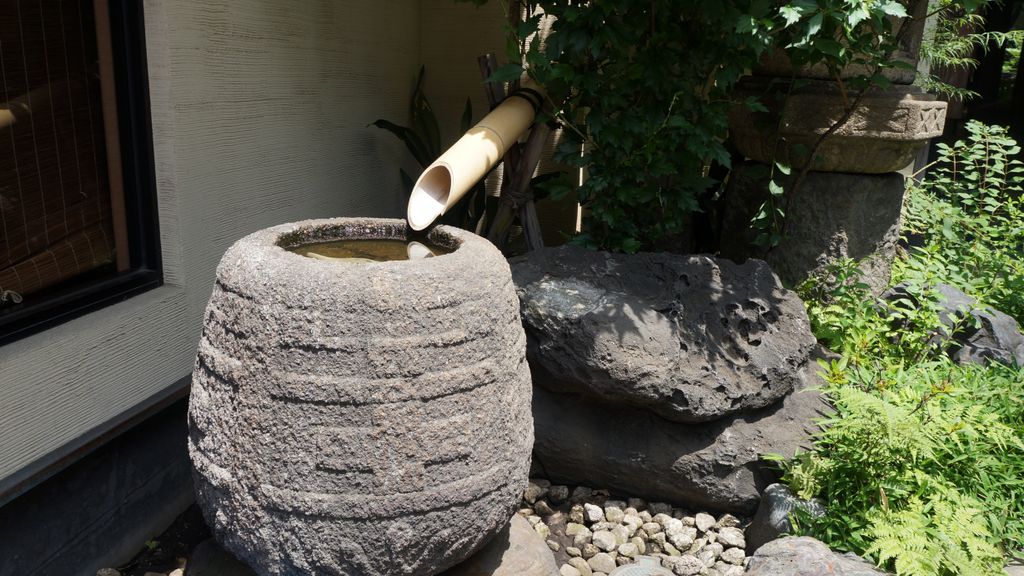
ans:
(922, 464)
(966, 220)
(643, 91)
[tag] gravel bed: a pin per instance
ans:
(591, 533)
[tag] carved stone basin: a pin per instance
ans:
(367, 418)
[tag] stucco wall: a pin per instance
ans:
(259, 116)
(452, 35)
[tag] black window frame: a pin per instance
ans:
(127, 30)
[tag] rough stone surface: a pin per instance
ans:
(359, 418)
(990, 336)
(772, 518)
(803, 556)
(833, 216)
(883, 134)
(209, 559)
(706, 466)
(515, 551)
(690, 338)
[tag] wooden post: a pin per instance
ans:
(519, 164)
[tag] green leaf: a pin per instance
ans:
(857, 15)
(782, 168)
(412, 142)
(893, 8)
(791, 14)
(506, 73)
(774, 189)
(754, 104)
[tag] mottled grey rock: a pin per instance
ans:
(704, 521)
(108, 572)
(593, 513)
(352, 418)
(884, 133)
(581, 564)
(643, 566)
(731, 537)
(209, 559)
(979, 335)
(803, 556)
(772, 518)
(713, 465)
(567, 570)
(605, 540)
(516, 551)
(684, 565)
(535, 490)
(832, 217)
(602, 562)
(558, 494)
(732, 555)
(690, 338)
(1015, 569)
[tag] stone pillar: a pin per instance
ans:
(849, 204)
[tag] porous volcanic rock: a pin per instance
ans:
(979, 335)
(714, 465)
(772, 520)
(359, 418)
(689, 338)
(803, 556)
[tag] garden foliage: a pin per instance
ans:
(643, 92)
(922, 463)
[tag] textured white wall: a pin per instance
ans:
(259, 117)
(452, 35)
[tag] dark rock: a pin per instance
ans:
(690, 338)
(979, 335)
(360, 418)
(209, 559)
(772, 518)
(516, 551)
(712, 466)
(833, 216)
(803, 556)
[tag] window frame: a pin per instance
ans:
(127, 31)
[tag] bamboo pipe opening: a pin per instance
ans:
(429, 197)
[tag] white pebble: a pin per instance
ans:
(704, 521)
(593, 513)
(733, 556)
(567, 570)
(605, 540)
(732, 537)
(602, 562)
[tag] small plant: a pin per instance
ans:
(422, 137)
(954, 43)
(922, 463)
(965, 222)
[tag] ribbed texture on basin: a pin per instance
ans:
(359, 418)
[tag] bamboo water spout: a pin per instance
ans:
(448, 179)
